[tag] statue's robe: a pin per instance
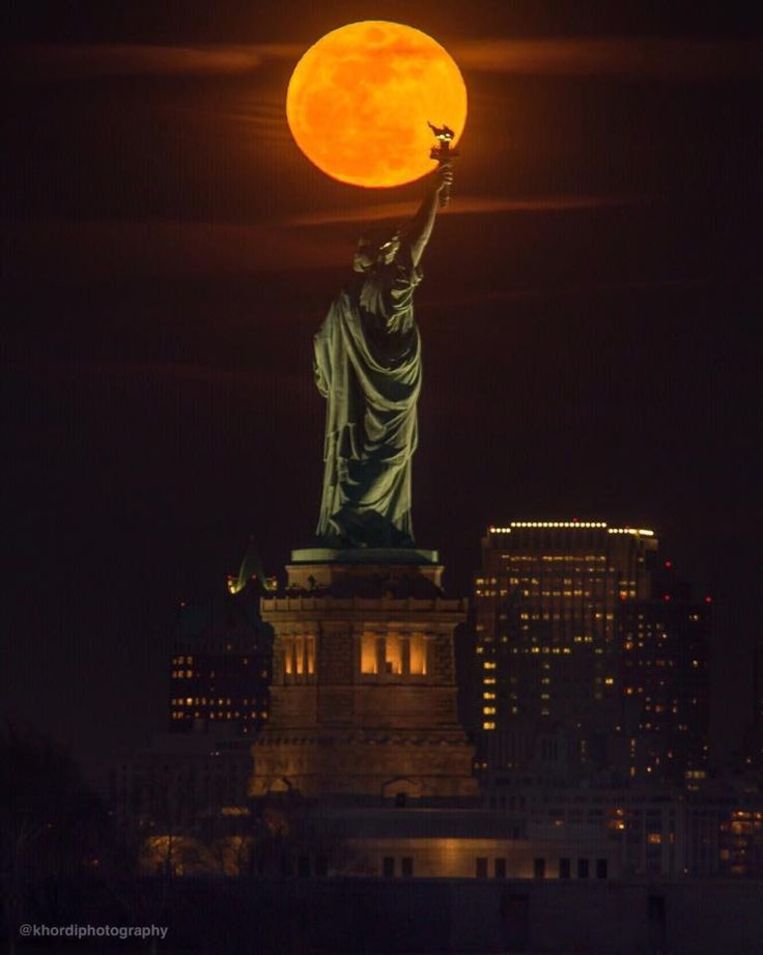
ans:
(368, 368)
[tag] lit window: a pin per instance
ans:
(368, 657)
(489, 665)
(417, 655)
(393, 655)
(488, 710)
(489, 725)
(488, 696)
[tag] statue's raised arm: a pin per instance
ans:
(417, 233)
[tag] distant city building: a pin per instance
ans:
(758, 687)
(643, 829)
(546, 639)
(184, 797)
(665, 682)
(180, 781)
(753, 747)
(221, 663)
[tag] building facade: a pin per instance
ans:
(546, 642)
(221, 664)
(753, 744)
(665, 646)
(364, 689)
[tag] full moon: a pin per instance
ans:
(360, 98)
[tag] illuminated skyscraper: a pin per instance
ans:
(665, 682)
(221, 664)
(218, 698)
(546, 620)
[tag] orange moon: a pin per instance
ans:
(360, 98)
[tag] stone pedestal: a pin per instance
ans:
(363, 698)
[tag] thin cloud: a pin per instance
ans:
(101, 248)
(263, 118)
(96, 249)
(123, 59)
(466, 205)
(546, 292)
(680, 59)
(667, 58)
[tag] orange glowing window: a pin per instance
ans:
(299, 653)
(368, 658)
(288, 655)
(418, 655)
(393, 654)
(310, 654)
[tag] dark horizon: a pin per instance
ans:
(587, 314)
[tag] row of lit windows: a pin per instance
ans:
(534, 558)
(226, 671)
(570, 525)
(598, 651)
(298, 655)
(554, 594)
(212, 701)
(600, 582)
(648, 663)
(565, 651)
(393, 654)
(220, 715)
(568, 615)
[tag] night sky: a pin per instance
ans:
(589, 316)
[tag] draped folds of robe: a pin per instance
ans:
(368, 368)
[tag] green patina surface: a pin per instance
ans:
(368, 368)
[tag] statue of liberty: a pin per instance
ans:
(368, 368)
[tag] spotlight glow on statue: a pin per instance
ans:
(360, 99)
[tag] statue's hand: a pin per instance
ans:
(444, 177)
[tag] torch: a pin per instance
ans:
(443, 153)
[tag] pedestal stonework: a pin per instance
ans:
(363, 698)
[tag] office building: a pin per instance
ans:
(665, 682)
(546, 642)
(221, 664)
